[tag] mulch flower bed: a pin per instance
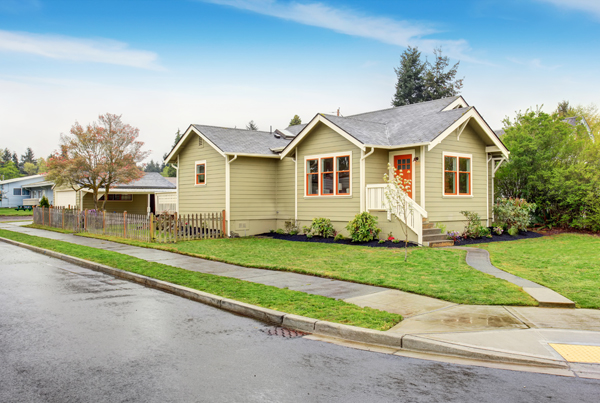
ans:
(498, 238)
(318, 239)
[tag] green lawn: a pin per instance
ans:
(284, 300)
(437, 273)
(7, 211)
(567, 263)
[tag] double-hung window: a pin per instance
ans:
(457, 175)
(200, 173)
(328, 175)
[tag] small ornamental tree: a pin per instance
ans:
(103, 154)
(398, 201)
(295, 121)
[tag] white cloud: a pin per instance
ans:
(350, 22)
(591, 6)
(76, 49)
(533, 63)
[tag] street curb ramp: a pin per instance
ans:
(304, 324)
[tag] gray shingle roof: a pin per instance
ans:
(150, 180)
(295, 129)
(410, 124)
(242, 141)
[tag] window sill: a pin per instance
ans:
(200, 185)
(330, 197)
(457, 196)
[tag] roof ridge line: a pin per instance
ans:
(404, 106)
(231, 128)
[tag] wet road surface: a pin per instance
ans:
(69, 334)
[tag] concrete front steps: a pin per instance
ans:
(433, 237)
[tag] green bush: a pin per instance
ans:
(485, 231)
(473, 227)
(381, 241)
(280, 231)
(513, 231)
(514, 213)
(320, 226)
(363, 228)
(44, 202)
(339, 237)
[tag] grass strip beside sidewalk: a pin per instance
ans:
(11, 212)
(283, 300)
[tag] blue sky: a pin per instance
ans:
(166, 64)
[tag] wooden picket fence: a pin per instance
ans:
(166, 228)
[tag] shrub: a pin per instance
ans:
(454, 235)
(320, 226)
(390, 237)
(363, 228)
(44, 202)
(513, 231)
(291, 226)
(294, 232)
(396, 241)
(498, 230)
(339, 237)
(514, 213)
(485, 231)
(441, 226)
(280, 231)
(473, 227)
(381, 241)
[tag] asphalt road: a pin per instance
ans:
(68, 334)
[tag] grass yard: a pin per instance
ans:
(284, 300)
(567, 263)
(437, 273)
(9, 211)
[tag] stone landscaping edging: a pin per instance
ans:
(305, 324)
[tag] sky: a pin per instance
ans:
(164, 65)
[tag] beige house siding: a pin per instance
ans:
(446, 209)
(339, 209)
(377, 165)
(285, 191)
(194, 198)
(253, 195)
(138, 205)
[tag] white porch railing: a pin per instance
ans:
(31, 202)
(376, 201)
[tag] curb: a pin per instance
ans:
(302, 323)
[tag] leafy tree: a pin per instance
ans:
(42, 167)
(440, 83)
(169, 170)
(419, 81)
(9, 171)
(295, 121)
(410, 87)
(30, 168)
(589, 112)
(563, 108)
(553, 165)
(251, 125)
(101, 155)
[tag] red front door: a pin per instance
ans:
(403, 163)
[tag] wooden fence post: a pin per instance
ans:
(176, 225)
(103, 222)
(124, 224)
(223, 227)
(85, 220)
(151, 229)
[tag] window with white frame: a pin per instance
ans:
(200, 173)
(328, 175)
(457, 174)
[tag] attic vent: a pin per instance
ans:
(200, 142)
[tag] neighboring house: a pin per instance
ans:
(39, 189)
(576, 120)
(138, 197)
(15, 192)
(333, 167)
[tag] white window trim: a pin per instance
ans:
(328, 155)
(459, 155)
(205, 175)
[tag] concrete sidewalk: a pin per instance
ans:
(508, 334)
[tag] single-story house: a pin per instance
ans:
(151, 194)
(17, 192)
(333, 167)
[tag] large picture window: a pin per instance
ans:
(328, 175)
(200, 173)
(457, 175)
(117, 197)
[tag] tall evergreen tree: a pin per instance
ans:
(251, 125)
(440, 83)
(15, 159)
(169, 170)
(6, 156)
(410, 88)
(28, 156)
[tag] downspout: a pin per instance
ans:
(177, 190)
(228, 192)
(363, 179)
(295, 159)
(487, 183)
